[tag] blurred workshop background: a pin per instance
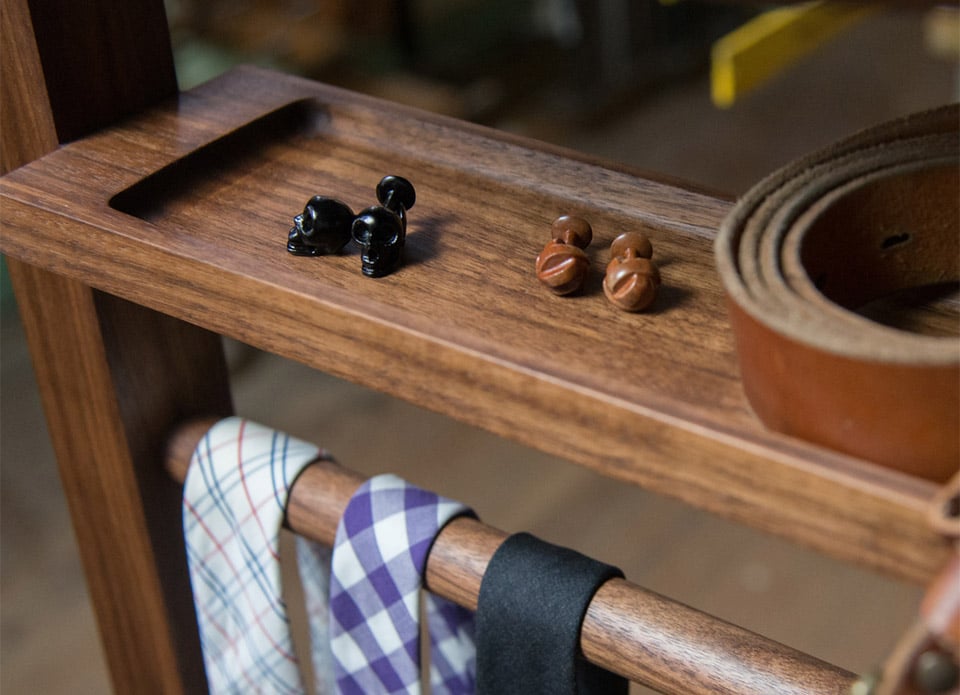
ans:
(650, 85)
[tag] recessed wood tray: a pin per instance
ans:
(186, 209)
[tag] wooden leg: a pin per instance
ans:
(115, 378)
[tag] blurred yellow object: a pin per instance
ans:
(768, 43)
(942, 32)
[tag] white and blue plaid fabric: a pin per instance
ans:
(234, 502)
(379, 558)
(364, 617)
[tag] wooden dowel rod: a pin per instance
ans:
(637, 633)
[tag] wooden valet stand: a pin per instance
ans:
(140, 224)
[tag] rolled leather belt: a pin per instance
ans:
(872, 216)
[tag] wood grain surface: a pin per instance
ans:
(102, 60)
(23, 93)
(186, 209)
(104, 426)
(113, 377)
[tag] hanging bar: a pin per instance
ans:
(636, 633)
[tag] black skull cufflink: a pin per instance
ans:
(322, 229)
(381, 230)
(327, 225)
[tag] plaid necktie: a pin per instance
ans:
(378, 562)
(234, 502)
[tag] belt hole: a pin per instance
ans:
(894, 240)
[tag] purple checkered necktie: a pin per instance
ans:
(379, 558)
(234, 502)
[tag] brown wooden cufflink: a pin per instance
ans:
(562, 265)
(632, 278)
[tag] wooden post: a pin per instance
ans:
(114, 377)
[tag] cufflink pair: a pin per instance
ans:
(327, 225)
(631, 279)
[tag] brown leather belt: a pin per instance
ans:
(874, 215)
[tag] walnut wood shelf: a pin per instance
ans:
(185, 209)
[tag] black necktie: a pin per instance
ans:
(533, 598)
